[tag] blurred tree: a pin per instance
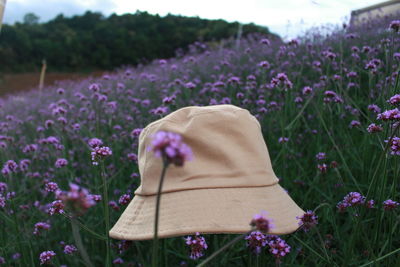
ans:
(31, 18)
(92, 41)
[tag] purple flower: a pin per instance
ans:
(261, 222)
(278, 248)
(373, 128)
(70, 249)
(100, 153)
(321, 156)
(395, 25)
(393, 114)
(351, 199)
(308, 220)
(394, 145)
(10, 167)
(354, 123)
(169, 145)
(3, 187)
(118, 261)
(323, 168)
(39, 226)
(281, 79)
(2, 201)
(307, 90)
(256, 241)
(96, 198)
(395, 100)
(46, 256)
(197, 245)
(113, 205)
(95, 142)
(265, 41)
(282, 140)
(56, 207)
(264, 64)
(124, 199)
(77, 199)
(61, 163)
(390, 204)
(51, 187)
(370, 204)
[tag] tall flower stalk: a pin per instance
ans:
(171, 149)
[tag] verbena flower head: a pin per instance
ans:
(99, 153)
(261, 223)
(169, 145)
(70, 249)
(61, 163)
(124, 199)
(373, 128)
(46, 257)
(278, 248)
(308, 220)
(321, 156)
(395, 100)
(77, 199)
(95, 142)
(393, 114)
(374, 108)
(255, 241)
(39, 226)
(197, 245)
(351, 199)
(56, 207)
(395, 25)
(390, 204)
(394, 144)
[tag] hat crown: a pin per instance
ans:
(228, 151)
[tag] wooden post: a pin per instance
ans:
(42, 74)
(2, 7)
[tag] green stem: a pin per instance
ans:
(155, 242)
(381, 258)
(106, 213)
(79, 243)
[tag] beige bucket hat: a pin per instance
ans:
(229, 180)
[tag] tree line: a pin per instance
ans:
(92, 41)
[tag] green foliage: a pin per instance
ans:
(92, 41)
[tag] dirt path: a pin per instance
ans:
(11, 83)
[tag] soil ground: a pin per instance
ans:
(16, 82)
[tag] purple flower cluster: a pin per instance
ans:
(256, 240)
(169, 145)
(46, 257)
(308, 220)
(77, 199)
(394, 144)
(99, 153)
(124, 199)
(41, 226)
(351, 199)
(61, 163)
(373, 128)
(197, 245)
(390, 204)
(261, 222)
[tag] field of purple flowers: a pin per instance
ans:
(329, 110)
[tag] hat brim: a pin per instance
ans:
(207, 211)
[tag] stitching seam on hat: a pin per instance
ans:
(202, 188)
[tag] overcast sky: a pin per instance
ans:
(288, 18)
